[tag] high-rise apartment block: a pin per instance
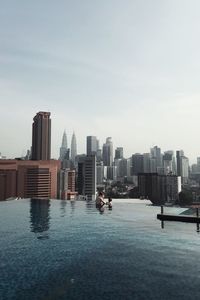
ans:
(41, 136)
(87, 176)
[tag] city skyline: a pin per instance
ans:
(127, 70)
(72, 136)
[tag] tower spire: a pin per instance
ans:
(63, 148)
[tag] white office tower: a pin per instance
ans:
(182, 166)
(108, 152)
(92, 145)
(87, 177)
(184, 169)
(63, 148)
(73, 148)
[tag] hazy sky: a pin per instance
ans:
(129, 69)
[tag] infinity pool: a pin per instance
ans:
(69, 250)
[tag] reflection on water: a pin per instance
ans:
(63, 204)
(197, 226)
(39, 216)
(72, 202)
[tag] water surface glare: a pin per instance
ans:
(69, 250)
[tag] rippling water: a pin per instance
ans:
(69, 250)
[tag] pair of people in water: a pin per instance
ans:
(100, 202)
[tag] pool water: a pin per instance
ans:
(60, 249)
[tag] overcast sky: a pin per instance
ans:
(129, 69)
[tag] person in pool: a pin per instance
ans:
(100, 200)
(109, 203)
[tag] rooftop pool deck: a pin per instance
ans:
(57, 249)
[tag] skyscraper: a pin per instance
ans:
(92, 144)
(63, 148)
(41, 136)
(157, 156)
(179, 155)
(73, 148)
(87, 176)
(168, 162)
(137, 164)
(108, 152)
(119, 152)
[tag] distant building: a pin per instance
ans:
(157, 156)
(137, 164)
(66, 162)
(121, 168)
(198, 164)
(41, 136)
(179, 154)
(28, 179)
(73, 148)
(159, 189)
(146, 163)
(2, 157)
(63, 184)
(108, 152)
(99, 155)
(184, 169)
(119, 153)
(182, 166)
(28, 155)
(63, 148)
(87, 176)
(129, 167)
(111, 172)
(67, 183)
(100, 173)
(153, 165)
(92, 145)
